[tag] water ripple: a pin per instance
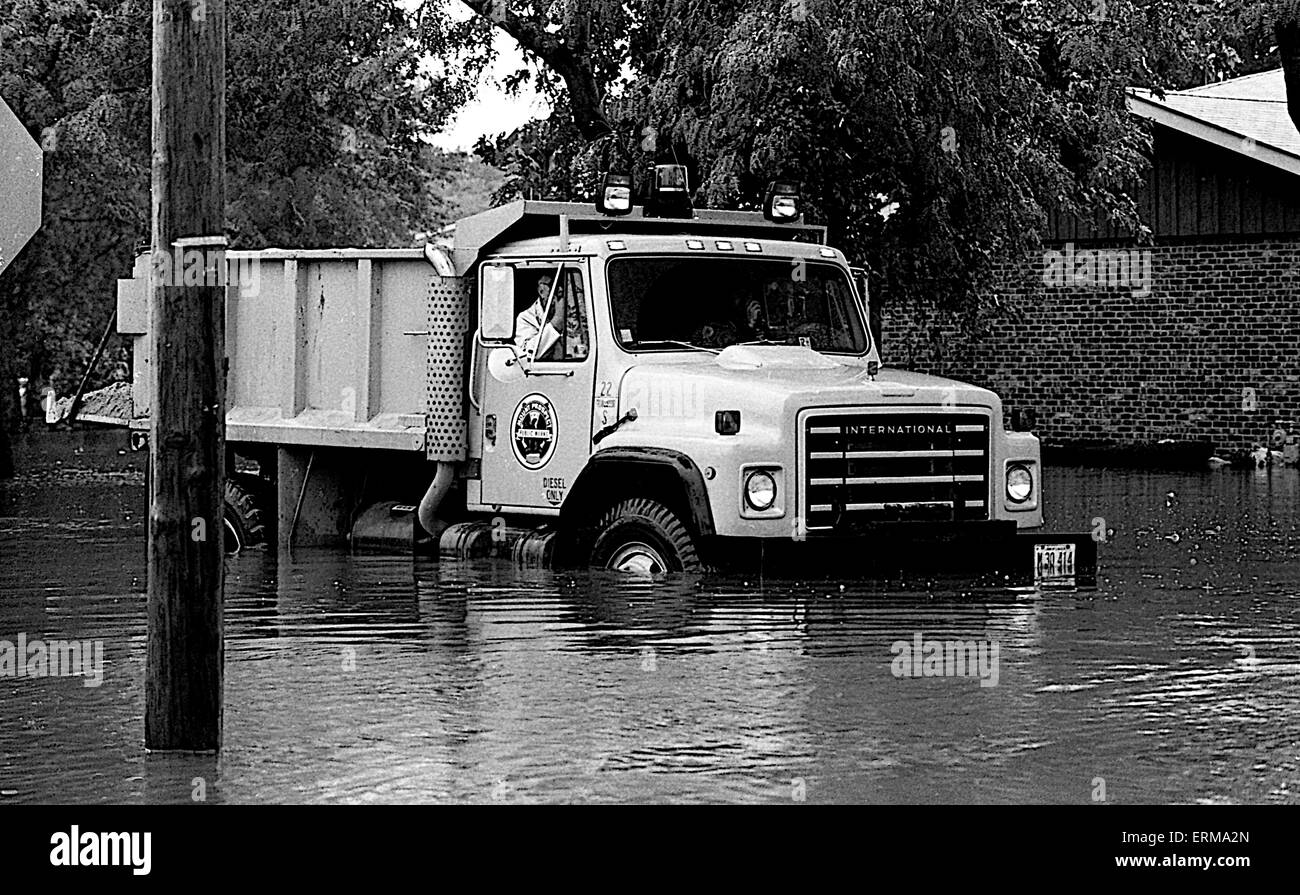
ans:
(362, 679)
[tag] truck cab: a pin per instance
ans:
(710, 382)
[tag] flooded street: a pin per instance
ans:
(356, 679)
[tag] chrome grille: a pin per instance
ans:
(882, 466)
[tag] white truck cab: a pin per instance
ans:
(713, 379)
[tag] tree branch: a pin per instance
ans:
(571, 61)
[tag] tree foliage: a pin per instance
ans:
(931, 135)
(582, 45)
(329, 106)
(1285, 16)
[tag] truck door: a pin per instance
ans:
(537, 396)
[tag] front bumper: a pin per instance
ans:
(992, 552)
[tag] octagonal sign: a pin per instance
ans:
(21, 166)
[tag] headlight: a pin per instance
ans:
(1020, 483)
(760, 490)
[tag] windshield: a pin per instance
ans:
(712, 302)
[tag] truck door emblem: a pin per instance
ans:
(534, 430)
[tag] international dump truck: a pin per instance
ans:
(646, 388)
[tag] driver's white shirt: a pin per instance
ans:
(533, 335)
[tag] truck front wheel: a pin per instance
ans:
(643, 537)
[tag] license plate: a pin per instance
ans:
(1053, 561)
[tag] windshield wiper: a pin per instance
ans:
(679, 344)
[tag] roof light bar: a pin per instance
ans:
(781, 205)
(670, 194)
(615, 194)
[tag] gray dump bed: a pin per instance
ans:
(357, 348)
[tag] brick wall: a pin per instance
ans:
(1102, 362)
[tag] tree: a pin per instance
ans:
(579, 42)
(931, 135)
(330, 108)
(1286, 28)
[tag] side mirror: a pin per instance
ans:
(860, 281)
(874, 322)
(496, 304)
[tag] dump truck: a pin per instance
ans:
(649, 388)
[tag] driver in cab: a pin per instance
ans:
(557, 334)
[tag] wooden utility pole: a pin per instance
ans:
(187, 331)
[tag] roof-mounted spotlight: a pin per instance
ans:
(670, 195)
(615, 195)
(781, 205)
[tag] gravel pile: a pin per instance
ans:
(112, 401)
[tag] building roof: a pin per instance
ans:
(1247, 115)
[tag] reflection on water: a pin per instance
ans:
(352, 679)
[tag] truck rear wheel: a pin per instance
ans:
(243, 525)
(641, 536)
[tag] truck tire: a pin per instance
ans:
(243, 523)
(642, 536)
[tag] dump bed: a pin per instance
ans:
(357, 348)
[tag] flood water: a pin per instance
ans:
(359, 679)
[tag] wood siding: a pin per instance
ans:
(1194, 189)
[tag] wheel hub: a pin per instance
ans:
(638, 558)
